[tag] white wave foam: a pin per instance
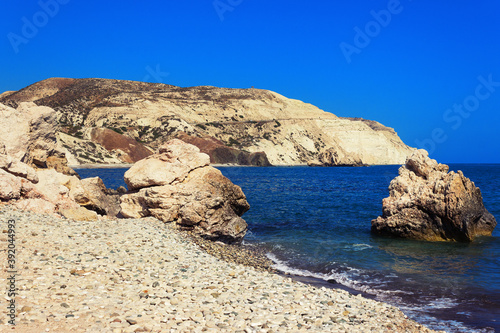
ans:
(414, 311)
(341, 278)
(361, 247)
(442, 303)
(278, 246)
(249, 235)
(418, 313)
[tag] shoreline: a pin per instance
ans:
(128, 165)
(133, 275)
(251, 256)
(101, 166)
(215, 165)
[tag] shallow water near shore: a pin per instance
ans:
(315, 222)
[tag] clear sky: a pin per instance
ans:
(429, 69)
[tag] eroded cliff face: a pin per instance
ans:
(245, 121)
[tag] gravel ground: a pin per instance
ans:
(141, 275)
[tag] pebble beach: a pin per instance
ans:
(142, 275)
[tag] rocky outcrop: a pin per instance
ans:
(245, 121)
(31, 137)
(172, 164)
(427, 202)
(16, 168)
(51, 192)
(23, 187)
(11, 186)
(69, 194)
(89, 193)
(34, 174)
(96, 197)
(178, 185)
(336, 156)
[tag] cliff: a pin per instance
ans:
(240, 126)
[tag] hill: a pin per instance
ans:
(240, 126)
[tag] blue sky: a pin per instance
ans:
(430, 69)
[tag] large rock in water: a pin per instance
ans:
(427, 202)
(178, 185)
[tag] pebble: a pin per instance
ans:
(141, 275)
(132, 321)
(26, 309)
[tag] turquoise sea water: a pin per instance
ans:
(316, 222)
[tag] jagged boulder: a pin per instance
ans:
(16, 178)
(178, 185)
(427, 202)
(33, 170)
(31, 137)
(89, 193)
(49, 191)
(15, 167)
(23, 187)
(97, 197)
(10, 186)
(172, 164)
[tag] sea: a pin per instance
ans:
(314, 223)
